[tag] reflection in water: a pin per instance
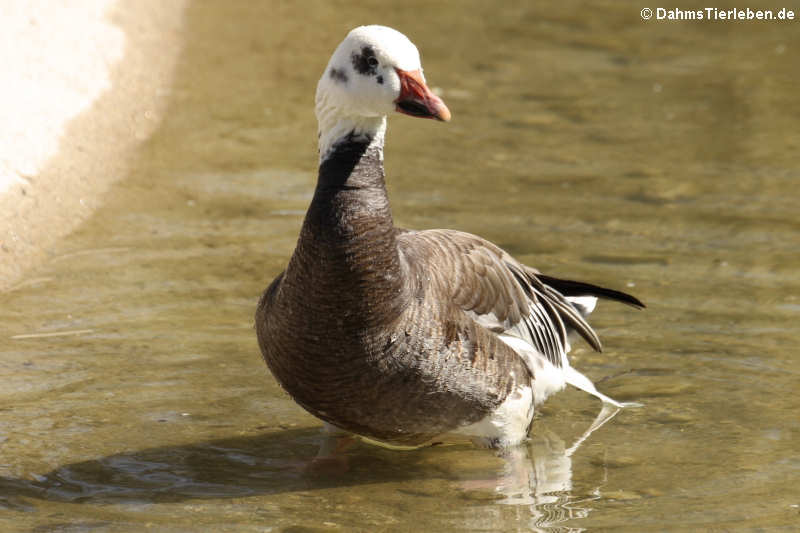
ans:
(535, 480)
(538, 477)
(544, 467)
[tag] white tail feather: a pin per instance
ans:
(585, 304)
(578, 380)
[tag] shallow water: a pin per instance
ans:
(660, 158)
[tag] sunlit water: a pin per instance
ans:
(656, 158)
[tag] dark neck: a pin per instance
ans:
(347, 249)
(350, 200)
(353, 162)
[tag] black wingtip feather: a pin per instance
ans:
(578, 288)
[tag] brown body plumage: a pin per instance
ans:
(397, 335)
(357, 329)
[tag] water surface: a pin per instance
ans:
(659, 158)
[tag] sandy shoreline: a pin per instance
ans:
(90, 84)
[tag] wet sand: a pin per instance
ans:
(88, 85)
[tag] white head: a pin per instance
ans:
(374, 71)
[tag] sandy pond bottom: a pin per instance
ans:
(133, 395)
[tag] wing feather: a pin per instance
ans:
(497, 291)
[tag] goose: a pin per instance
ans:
(399, 336)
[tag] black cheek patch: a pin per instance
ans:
(361, 62)
(338, 75)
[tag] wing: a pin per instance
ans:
(496, 290)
